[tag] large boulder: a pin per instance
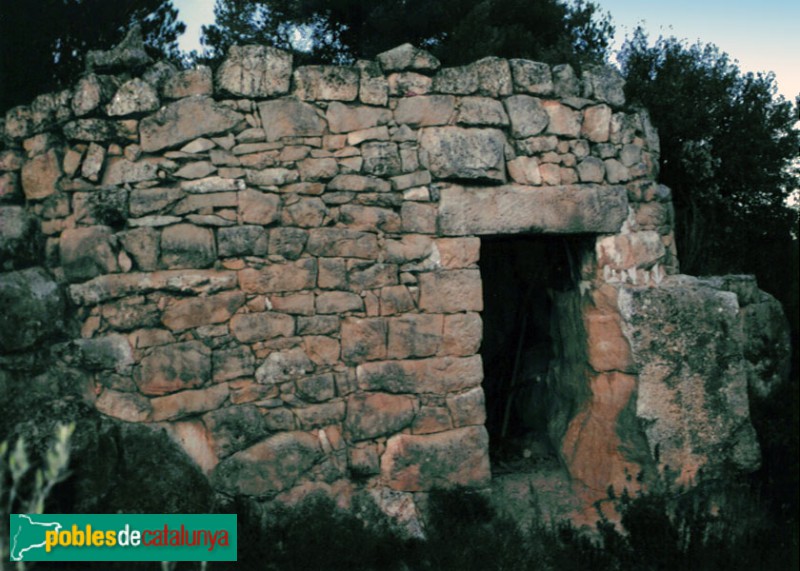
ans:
(31, 308)
(19, 238)
(688, 346)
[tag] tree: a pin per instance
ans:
(457, 31)
(729, 152)
(43, 42)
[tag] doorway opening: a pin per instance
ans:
(525, 282)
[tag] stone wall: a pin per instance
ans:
(278, 264)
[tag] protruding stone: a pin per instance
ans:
(363, 340)
(186, 403)
(494, 77)
(596, 123)
(258, 207)
(130, 53)
(255, 71)
(31, 308)
(407, 57)
(482, 111)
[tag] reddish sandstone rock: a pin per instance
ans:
(193, 312)
(415, 463)
(269, 466)
(377, 414)
(174, 367)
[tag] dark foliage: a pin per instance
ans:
(456, 31)
(729, 152)
(43, 42)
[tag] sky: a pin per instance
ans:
(762, 35)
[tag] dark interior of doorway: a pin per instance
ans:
(521, 277)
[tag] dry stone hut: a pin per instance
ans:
(372, 277)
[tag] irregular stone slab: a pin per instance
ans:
(280, 277)
(458, 153)
(174, 367)
(259, 207)
(563, 120)
(373, 88)
(255, 71)
(692, 399)
(451, 291)
(185, 403)
(87, 252)
(121, 171)
(326, 82)
(289, 117)
(89, 130)
(494, 76)
(31, 308)
(528, 117)
(91, 91)
(596, 123)
(531, 77)
(378, 414)
(230, 364)
(634, 250)
(407, 57)
(193, 312)
(514, 209)
(482, 111)
(104, 288)
(282, 366)
(242, 241)
(197, 81)
(270, 466)
(415, 463)
(187, 246)
(106, 353)
(40, 175)
(438, 375)
(414, 335)
(134, 96)
(130, 407)
(184, 120)
(348, 118)
(425, 111)
(143, 201)
(604, 83)
(461, 80)
(250, 327)
(234, 428)
(339, 242)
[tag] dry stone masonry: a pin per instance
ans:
(278, 265)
